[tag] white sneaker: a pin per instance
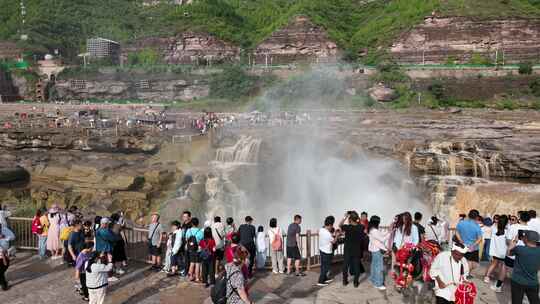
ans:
(275, 272)
(112, 279)
(329, 281)
(381, 287)
(120, 271)
(496, 289)
(322, 284)
(487, 280)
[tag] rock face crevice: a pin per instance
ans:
(299, 41)
(439, 39)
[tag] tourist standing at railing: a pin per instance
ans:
(208, 255)
(218, 232)
(405, 232)
(230, 229)
(364, 220)
(378, 249)
(105, 240)
(497, 252)
(176, 257)
(468, 232)
(356, 242)
(194, 236)
(261, 248)
(418, 223)
(4, 214)
(4, 265)
(53, 236)
(275, 236)
(184, 261)
(248, 236)
(119, 247)
(155, 238)
(434, 231)
(293, 249)
(76, 241)
(327, 240)
(40, 227)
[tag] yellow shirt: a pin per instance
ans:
(45, 224)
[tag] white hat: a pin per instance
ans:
(459, 249)
(105, 220)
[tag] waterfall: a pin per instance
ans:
(246, 150)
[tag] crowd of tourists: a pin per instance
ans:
(225, 256)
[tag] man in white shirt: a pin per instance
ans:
(534, 223)
(326, 242)
(448, 270)
(515, 232)
(218, 233)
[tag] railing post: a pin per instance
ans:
(308, 249)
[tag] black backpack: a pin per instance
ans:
(192, 244)
(218, 293)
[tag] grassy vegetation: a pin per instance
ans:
(66, 24)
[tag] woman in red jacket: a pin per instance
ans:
(207, 255)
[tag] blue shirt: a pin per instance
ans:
(105, 240)
(197, 232)
(470, 232)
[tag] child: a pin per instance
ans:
(80, 273)
(167, 268)
(4, 265)
(261, 248)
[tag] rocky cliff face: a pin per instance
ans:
(98, 174)
(144, 89)
(187, 48)
(300, 41)
(438, 39)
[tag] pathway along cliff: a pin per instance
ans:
(444, 162)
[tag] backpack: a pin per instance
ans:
(64, 234)
(192, 244)
(36, 226)
(218, 293)
(277, 243)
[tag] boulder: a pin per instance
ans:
(382, 93)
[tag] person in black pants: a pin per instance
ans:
(247, 239)
(355, 245)
(208, 257)
(326, 249)
(526, 266)
(4, 265)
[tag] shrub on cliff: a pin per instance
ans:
(525, 68)
(232, 83)
(535, 87)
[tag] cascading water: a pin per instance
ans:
(246, 150)
(224, 195)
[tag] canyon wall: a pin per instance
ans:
(186, 48)
(299, 41)
(151, 87)
(438, 39)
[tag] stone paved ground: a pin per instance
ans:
(49, 282)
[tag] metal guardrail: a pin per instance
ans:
(137, 249)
